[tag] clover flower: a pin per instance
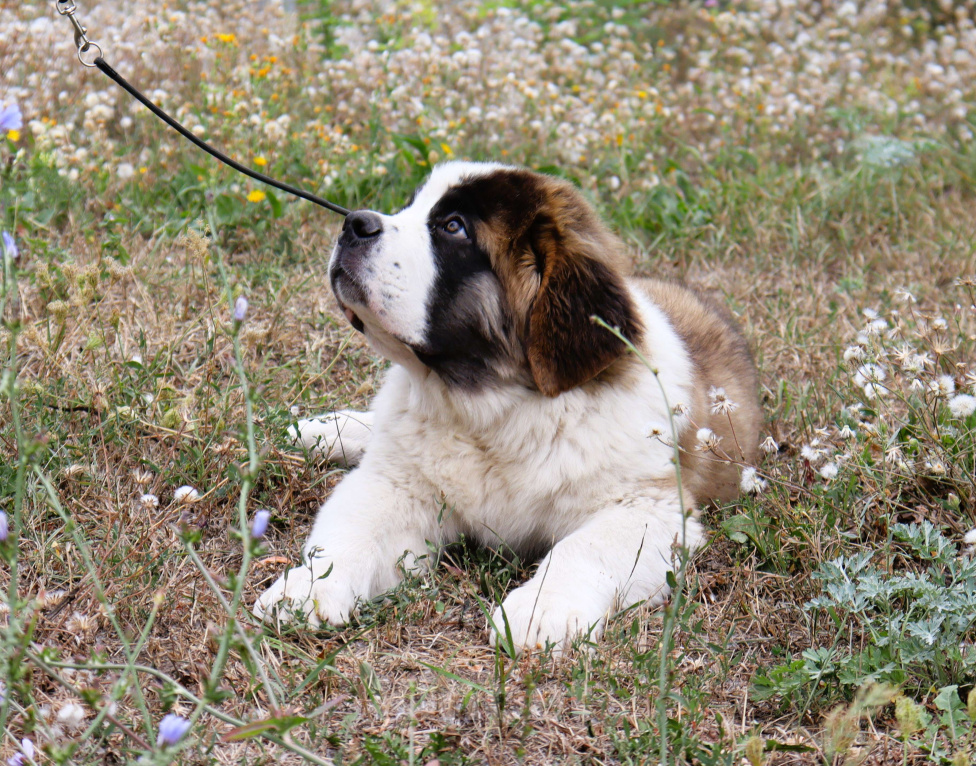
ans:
(172, 729)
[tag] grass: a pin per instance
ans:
(126, 377)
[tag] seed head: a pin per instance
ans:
(186, 494)
(962, 405)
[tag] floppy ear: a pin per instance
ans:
(565, 347)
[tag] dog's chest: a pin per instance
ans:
(532, 473)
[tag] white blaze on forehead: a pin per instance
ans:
(403, 268)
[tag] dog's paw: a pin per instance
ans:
(300, 593)
(340, 437)
(537, 618)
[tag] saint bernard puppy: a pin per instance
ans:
(510, 417)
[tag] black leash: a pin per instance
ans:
(84, 45)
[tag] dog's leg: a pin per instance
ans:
(620, 556)
(341, 437)
(364, 538)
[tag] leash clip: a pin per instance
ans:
(82, 43)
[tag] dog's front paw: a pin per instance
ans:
(340, 437)
(535, 618)
(301, 593)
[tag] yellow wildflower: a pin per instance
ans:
(231, 38)
(260, 161)
(256, 196)
(13, 135)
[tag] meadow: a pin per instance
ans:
(164, 321)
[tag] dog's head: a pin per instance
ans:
(489, 274)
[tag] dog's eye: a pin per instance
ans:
(455, 227)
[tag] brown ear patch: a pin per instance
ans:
(565, 347)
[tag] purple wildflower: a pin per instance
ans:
(10, 118)
(4, 527)
(260, 524)
(172, 729)
(240, 309)
(10, 245)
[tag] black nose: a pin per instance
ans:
(363, 224)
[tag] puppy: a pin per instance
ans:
(510, 417)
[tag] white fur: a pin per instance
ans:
(340, 437)
(400, 271)
(576, 474)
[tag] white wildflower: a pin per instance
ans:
(769, 445)
(148, 501)
(939, 324)
(854, 352)
(186, 494)
(680, 409)
(125, 171)
(962, 405)
(847, 432)
(751, 482)
(970, 538)
(869, 314)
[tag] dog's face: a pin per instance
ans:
(490, 274)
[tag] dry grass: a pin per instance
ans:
(128, 386)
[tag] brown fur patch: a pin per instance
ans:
(722, 359)
(560, 267)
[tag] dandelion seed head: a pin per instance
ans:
(721, 404)
(828, 471)
(962, 405)
(72, 715)
(943, 386)
(707, 439)
(186, 494)
(751, 482)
